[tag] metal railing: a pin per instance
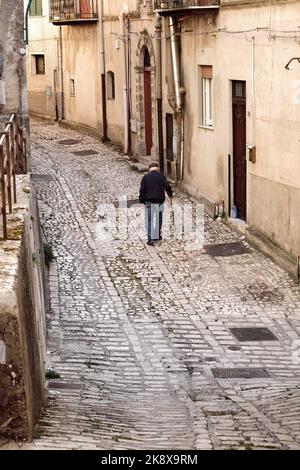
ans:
(13, 161)
(184, 4)
(72, 10)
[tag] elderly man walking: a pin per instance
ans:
(154, 187)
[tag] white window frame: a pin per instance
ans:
(205, 101)
(207, 119)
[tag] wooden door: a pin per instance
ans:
(148, 111)
(239, 147)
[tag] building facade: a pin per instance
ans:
(204, 86)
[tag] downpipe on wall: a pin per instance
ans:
(60, 61)
(126, 100)
(102, 69)
(158, 31)
(179, 92)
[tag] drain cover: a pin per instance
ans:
(240, 373)
(85, 153)
(253, 334)
(227, 249)
(42, 178)
(69, 142)
(64, 386)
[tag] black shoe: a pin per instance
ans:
(150, 242)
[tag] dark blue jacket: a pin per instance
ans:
(154, 185)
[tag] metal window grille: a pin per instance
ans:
(40, 68)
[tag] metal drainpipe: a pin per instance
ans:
(125, 86)
(26, 22)
(102, 68)
(158, 31)
(179, 148)
(129, 85)
(62, 111)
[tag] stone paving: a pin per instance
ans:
(136, 330)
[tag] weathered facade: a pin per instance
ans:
(255, 116)
(213, 95)
(44, 64)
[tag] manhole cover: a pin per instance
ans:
(85, 153)
(253, 334)
(64, 386)
(227, 249)
(69, 142)
(240, 373)
(42, 178)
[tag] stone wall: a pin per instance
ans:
(22, 319)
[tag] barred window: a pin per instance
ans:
(40, 68)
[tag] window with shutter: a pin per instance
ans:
(206, 77)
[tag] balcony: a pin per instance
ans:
(70, 12)
(185, 7)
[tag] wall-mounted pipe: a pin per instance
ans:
(61, 68)
(103, 78)
(175, 63)
(229, 185)
(158, 31)
(26, 29)
(179, 91)
(182, 148)
(126, 103)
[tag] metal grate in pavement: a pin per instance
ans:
(85, 153)
(65, 386)
(227, 249)
(240, 373)
(253, 334)
(69, 142)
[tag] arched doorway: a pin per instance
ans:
(148, 101)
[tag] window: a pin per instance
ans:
(36, 8)
(239, 89)
(111, 92)
(206, 76)
(39, 64)
(72, 87)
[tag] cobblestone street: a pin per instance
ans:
(136, 332)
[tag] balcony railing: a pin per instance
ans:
(189, 7)
(65, 12)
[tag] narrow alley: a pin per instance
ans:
(142, 337)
